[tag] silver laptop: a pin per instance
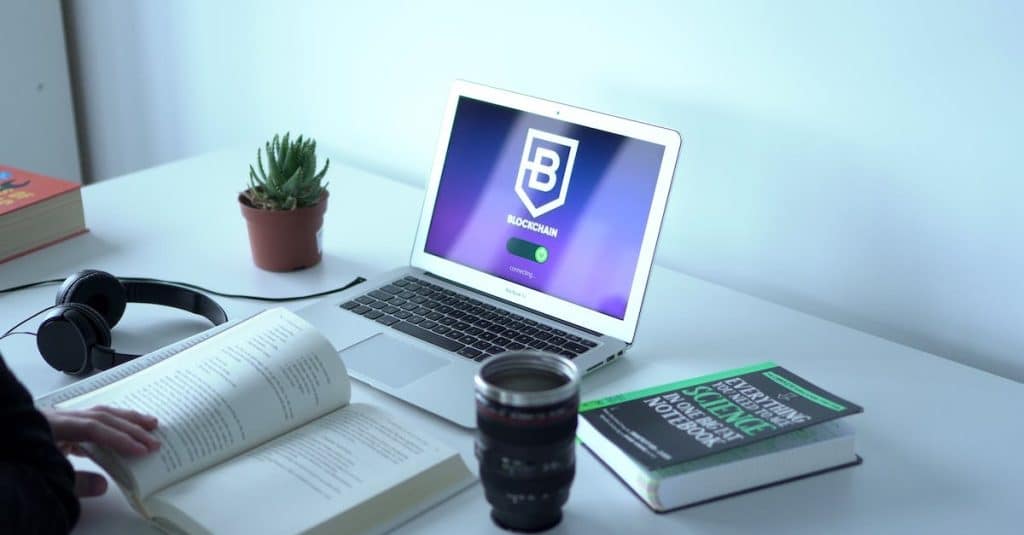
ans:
(538, 231)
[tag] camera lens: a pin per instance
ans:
(526, 426)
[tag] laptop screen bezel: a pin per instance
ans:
(623, 329)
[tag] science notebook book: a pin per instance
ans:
(687, 442)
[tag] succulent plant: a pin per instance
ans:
(290, 179)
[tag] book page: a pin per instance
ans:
(318, 476)
(259, 379)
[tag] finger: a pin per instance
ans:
(81, 429)
(71, 448)
(129, 428)
(145, 421)
(59, 422)
(89, 484)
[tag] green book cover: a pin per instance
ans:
(668, 425)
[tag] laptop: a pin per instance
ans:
(538, 231)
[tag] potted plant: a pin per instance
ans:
(284, 205)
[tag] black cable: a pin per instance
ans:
(10, 331)
(31, 285)
(352, 283)
(24, 321)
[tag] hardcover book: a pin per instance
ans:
(259, 435)
(36, 211)
(684, 443)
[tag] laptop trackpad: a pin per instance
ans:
(390, 361)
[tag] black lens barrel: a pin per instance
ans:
(527, 453)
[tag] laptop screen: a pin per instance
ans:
(554, 206)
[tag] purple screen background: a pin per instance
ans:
(593, 260)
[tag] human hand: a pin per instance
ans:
(122, 431)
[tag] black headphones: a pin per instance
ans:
(75, 336)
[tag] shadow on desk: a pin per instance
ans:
(57, 260)
(605, 378)
(111, 513)
(332, 263)
(913, 494)
(145, 328)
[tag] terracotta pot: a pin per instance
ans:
(285, 240)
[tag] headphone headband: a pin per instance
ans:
(165, 294)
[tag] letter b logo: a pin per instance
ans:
(544, 171)
(545, 164)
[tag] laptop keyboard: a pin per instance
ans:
(459, 323)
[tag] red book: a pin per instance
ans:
(36, 211)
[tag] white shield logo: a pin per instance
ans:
(544, 171)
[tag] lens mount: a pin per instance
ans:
(527, 361)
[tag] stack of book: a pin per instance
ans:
(36, 211)
(685, 443)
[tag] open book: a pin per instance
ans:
(258, 436)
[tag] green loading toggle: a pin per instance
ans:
(530, 251)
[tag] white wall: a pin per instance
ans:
(37, 124)
(856, 160)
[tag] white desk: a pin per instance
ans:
(941, 441)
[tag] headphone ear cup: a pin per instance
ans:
(99, 290)
(99, 324)
(67, 335)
